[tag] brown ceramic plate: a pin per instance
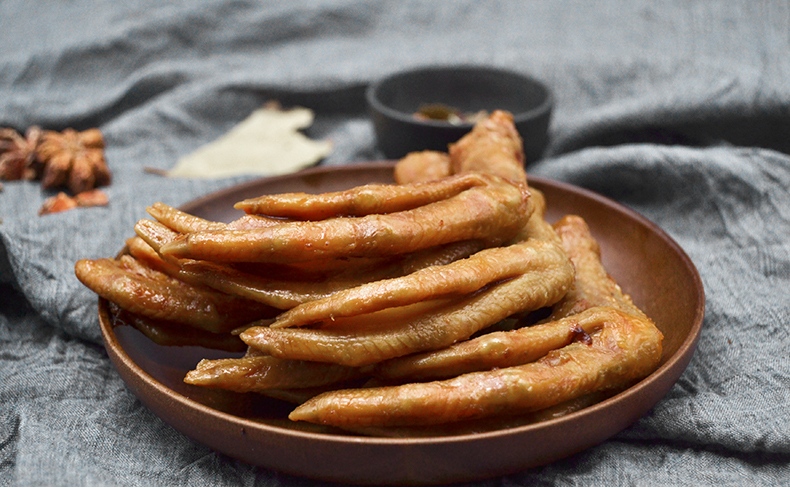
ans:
(643, 259)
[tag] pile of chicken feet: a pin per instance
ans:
(422, 292)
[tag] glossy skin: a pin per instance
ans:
(148, 292)
(521, 371)
(457, 278)
(166, 333)
(361, 200)
(179, 221)
(492, 147)
(493, 213)
(261, 373)
(370, 338)
(626, 348)
(596, 340)
(593, 286)
(288, 287)
(422, 166)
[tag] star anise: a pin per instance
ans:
(18, 154)
(73, 159)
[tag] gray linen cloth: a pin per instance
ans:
(679, 110)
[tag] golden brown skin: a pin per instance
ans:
(279, 294)
(254, 222)
(180, 221)
(270, 288)
(261, 373)
(492, 147)
(148, 292)
(478, 426)
(167, 333)
(537, 227)
(546, 283)
(361, 200)
(626, 348)
(499, 349)
(183, 222)
(156, 234)
(494, 213)
(593, 286)
(461, 277)
(142, 251)
(438, 256)
(422, 166)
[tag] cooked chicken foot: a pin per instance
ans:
(139, 289)
(546, 283)
(261, 373)
(627, 348)
(461, 277)
(493, 213)
(361, 200)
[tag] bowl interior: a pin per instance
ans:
(468, 89)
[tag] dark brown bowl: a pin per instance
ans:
(394, 100)
(642, 258)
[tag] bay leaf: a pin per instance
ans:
(268, 142)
